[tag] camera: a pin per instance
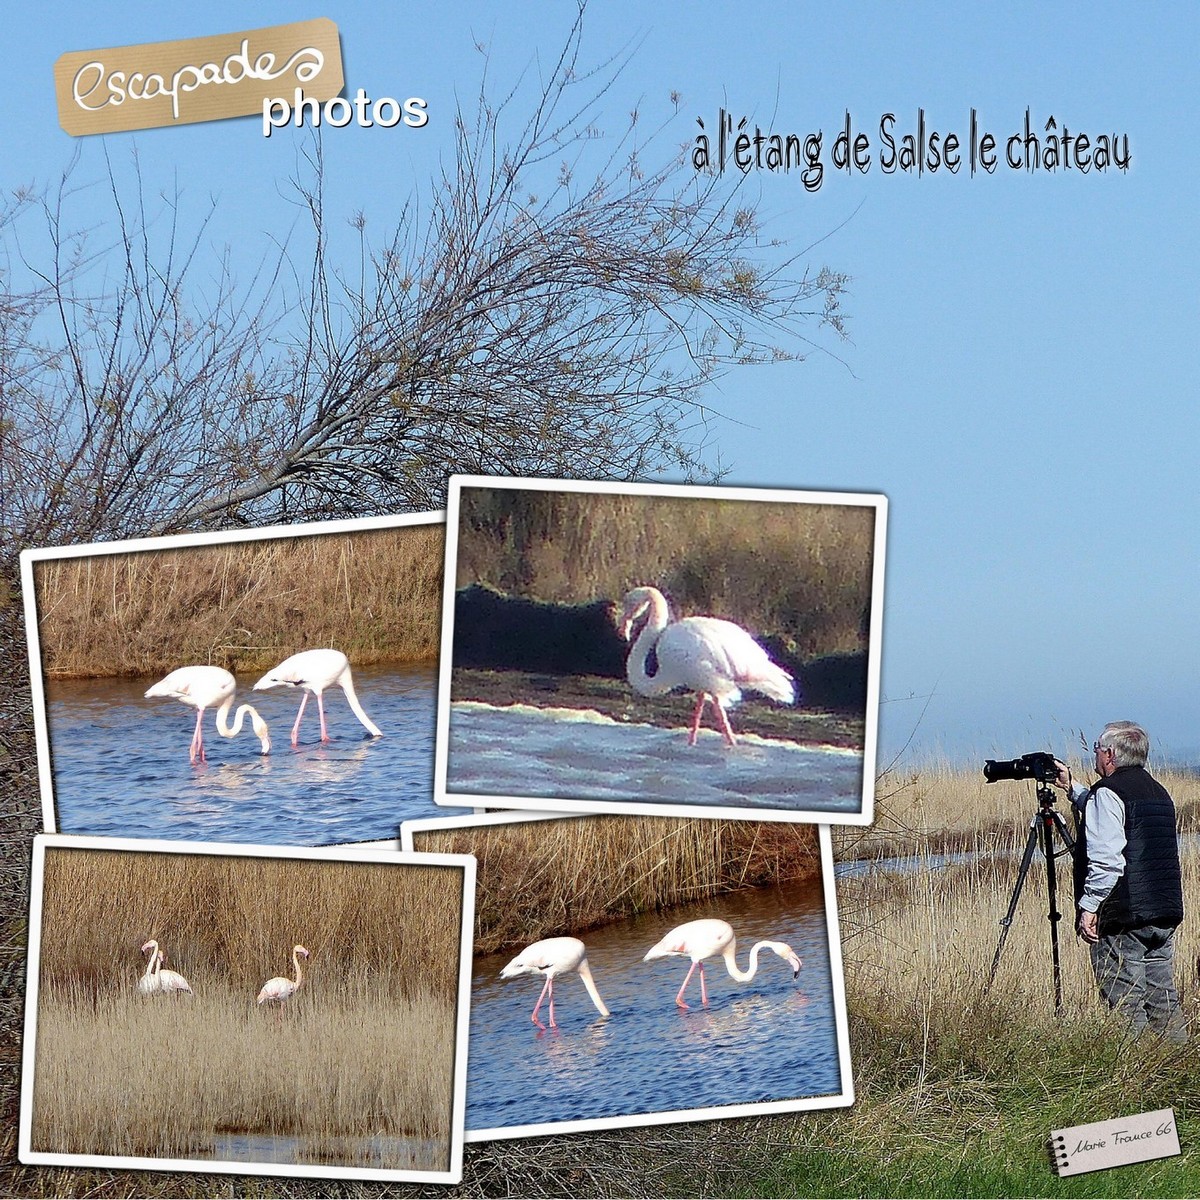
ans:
(1038, 765)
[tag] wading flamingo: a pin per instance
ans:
(551, 957)
(204, 687)
(157, 980)
(707, 938)
(279, 989)
(707, 655)
(314, 671)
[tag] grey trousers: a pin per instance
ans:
(1135, 971)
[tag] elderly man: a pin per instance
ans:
(1128, 893)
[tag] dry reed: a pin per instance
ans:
(799, 570)
(540, 879)
(374, 594)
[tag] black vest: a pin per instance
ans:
(1150, 892)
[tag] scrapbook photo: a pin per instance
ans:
(272, 687)
(636, 971)
(660, 650)
(246, 1010)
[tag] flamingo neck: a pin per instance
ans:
(229, 731)
(352, 699)
(635, 665)
(585, 973)
(756, 950)
(296, 964)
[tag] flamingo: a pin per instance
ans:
(314, 671)
(280, 989)
(551, 957)
(201, 688)
(707, 938)
(706, 655)
(156, 979)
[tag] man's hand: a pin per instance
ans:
(1064, 776)
(1088, 927)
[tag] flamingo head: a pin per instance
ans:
(151, 945)
(301, 951)
(260, 729)
(635, 604)
(793, 960)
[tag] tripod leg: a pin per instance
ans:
(1006, 922)
(1048, 827)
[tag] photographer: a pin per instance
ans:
(1128, 893)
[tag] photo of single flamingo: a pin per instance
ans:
(314, 671)
(279, 990)
(157, 980)
(587, 628)
(552, 957)
(708, 938)
(204, 687)
(707, 655)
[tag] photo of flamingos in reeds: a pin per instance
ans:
(269, 688)
(631, 971)
(657, 649)
(312, 1019)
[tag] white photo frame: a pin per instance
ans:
(808, 777)
(599, 1040)
(238, 773)
(96, 995)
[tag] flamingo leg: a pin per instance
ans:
(321, 710)
(703, 992)
(726, 729)
(696, 714)
(299, 717)
(197, 747)
(679, 995)
(548, 986)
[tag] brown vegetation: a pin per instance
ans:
(365, 1049)
(799, 570)
(543, 878)
(373, 594)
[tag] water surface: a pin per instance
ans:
(770, 1040)
(580, 755)
(120, 764)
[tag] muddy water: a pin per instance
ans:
(772, 1039)
(120, 764)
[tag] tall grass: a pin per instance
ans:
(958, 1083)
(799, 570)
(540, 879)
(364, 1050)
(373, 594)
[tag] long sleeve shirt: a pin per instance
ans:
(1104, 821)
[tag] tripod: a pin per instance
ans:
(1042, 827)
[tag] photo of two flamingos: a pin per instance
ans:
(246, 1009)
(660, 649)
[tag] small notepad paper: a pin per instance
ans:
(1114, 1143)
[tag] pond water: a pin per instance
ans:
(374, 1153)
(580, 755)
(770, 1040)
(120, 764)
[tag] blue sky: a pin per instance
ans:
(1020, 374)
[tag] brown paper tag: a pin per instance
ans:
(200, 79)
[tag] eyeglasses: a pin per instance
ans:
(1097, 747)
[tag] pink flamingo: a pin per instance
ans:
(204, 687)
(551, 957)
(707, 655)
(157, 979)
(314, 671)
(707, 938)
(280, 990)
